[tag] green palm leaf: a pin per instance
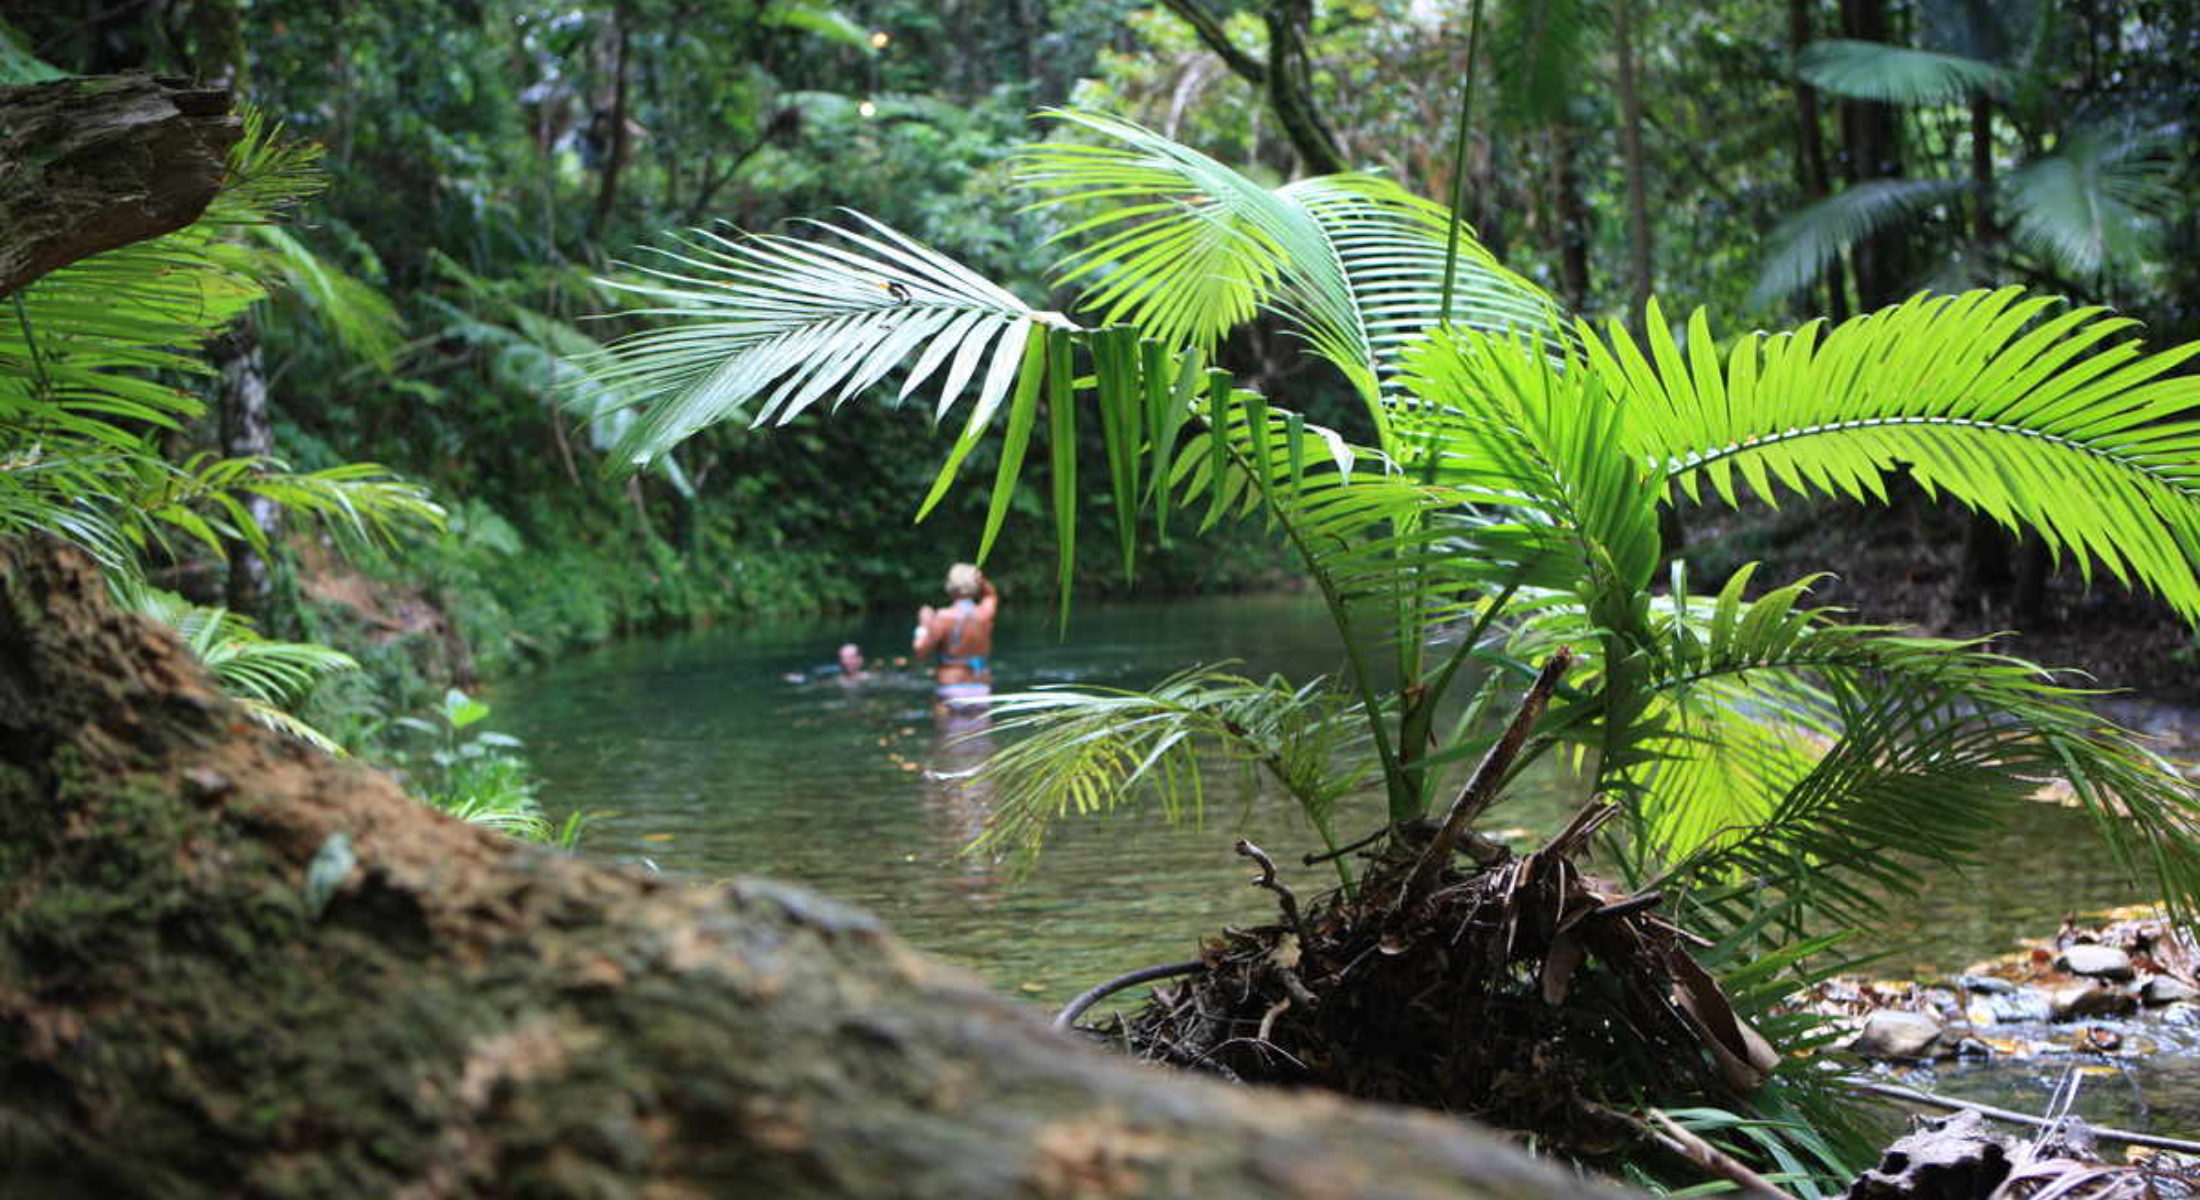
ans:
(1188, 249)
(2093, 202)
(1084, 752)
(2043, 423)
(1898, 74)
(1804, 245)
(770, 325)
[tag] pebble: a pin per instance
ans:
(1890, 1033)
(1986, 985)
(2101, 962)
(2166, 989)
(2075, 1001)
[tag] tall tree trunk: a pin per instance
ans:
(1871, 135)
(1982, 172)
(1811, 153)
(245, 422)
(1571, 213)
(233, 966)
(1630, 140)
(247, 431)
(607, 187)
(1992, 556)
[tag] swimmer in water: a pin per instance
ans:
(961, 635)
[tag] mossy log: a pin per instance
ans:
(87, 165)
(232, 966)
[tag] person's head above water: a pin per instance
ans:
(851, 659)
(964, 581)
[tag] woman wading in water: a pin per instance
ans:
(962, 635)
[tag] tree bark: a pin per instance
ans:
(1286, 76)
(1572, 219)
(247, 425)
(229, 965)
(87, 165)
(1639, 277)
(1811, 154)
(607, 189)
(1871, 136)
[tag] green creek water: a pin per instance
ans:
(703, 759)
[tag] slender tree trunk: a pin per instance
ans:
(1871, 135)
(1992, 556)
(1291, 88)
(1571, 213)
(1639, 278)
(233, 966)
(1982, 172)
(247, 431)
(1811, 153)
(241, 402)
(607, 188)
(1286, 76)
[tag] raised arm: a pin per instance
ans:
(920, 642)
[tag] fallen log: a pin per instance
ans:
(230, 965)
(88, 165)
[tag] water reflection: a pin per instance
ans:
(959, 794)
(713, 764)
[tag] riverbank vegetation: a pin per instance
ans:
(505, 332)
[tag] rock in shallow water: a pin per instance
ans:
(1893, 1034)
(2008, 1008)
(2076, 1001)
(2166, 989)
(2100, 962)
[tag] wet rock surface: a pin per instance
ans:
(2064, 994)
(1893, 1034)
(2096, 960)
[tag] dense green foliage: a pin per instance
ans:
(1768, 761)
(1452, 440)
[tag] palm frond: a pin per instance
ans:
(1190, 249)
(18, 64)
(1805, 244)
(2097, 200)
(1538, 47)
(2043, 423)
(1087, 752)
(267, 677)
(1898, 74)
(362, 320)
(769, 325)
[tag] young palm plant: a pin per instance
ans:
(1765, 766)
(91, 356)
